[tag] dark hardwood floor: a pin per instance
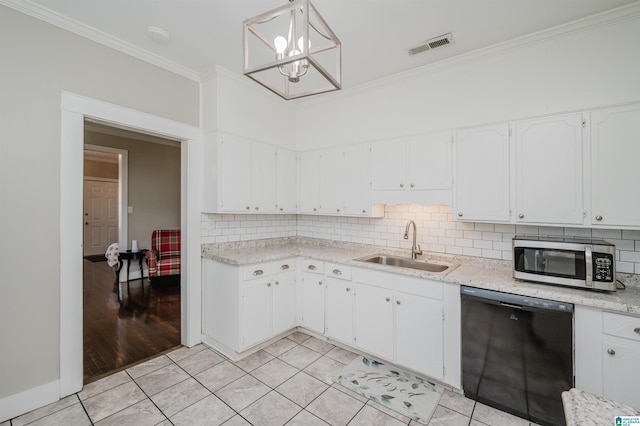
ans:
(120, 334)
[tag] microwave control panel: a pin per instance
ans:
(602, 267)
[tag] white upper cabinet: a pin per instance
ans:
(286, 186)
(357, 178)
(331, 185)
(615, 175)
(235, 174)
(264, 179)
(482, 190)
(429, 161)
(549, 170)
(412, 170)
(308, 189)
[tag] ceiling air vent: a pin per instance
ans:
(439, 41)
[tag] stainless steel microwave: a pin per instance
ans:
(576, 262)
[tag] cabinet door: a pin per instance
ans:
(286, 187)
(357, 178)
(429, 161)
(549, 170)
(621, 375)
(388, 165)
(339, 320)
(256, 311)
(482, 174)
(284, 302)
(615, 150)
(419, 334)
(374, 320)
(264, 182)
(309, 169)
(331, 183)
(313, 289)
(235, 181)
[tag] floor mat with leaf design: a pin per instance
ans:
(396, 389)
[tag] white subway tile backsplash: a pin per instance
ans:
(437, 232)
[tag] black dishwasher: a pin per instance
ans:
(517, 353)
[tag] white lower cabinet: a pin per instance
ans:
(243, 306)
(339, 303)
(312, 295)
(374, 320)
(607, 354)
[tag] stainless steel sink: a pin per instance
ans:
(401, 262)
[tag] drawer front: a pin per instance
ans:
(419, 286)
(259, 270)
(281, 266)
(625, 326)
(313, 266)
(372, 277)
(338, 271)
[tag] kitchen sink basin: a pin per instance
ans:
(402, 262)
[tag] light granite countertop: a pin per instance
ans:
(475, 272)
(585, 409)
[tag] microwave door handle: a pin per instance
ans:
(588, 263)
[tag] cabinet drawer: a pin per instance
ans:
(625, 326)
(338, 271)
(286, 265)
(371, 277)
(256, 271)
(419, 287)
(313, 266)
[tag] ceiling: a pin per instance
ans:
(375, 34)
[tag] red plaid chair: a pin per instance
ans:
(164, 257)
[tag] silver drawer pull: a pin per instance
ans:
(319, 282)
(337, 271)
(637, 330)
(387, 299)
(277, 282)
(312, 267)
(611, 351)
(268, 284)
(284, 267)
(258, 272)
(348, 289)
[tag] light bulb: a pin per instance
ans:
(301, 43)
(281, 44)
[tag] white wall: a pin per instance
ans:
(594, 67)
(38, 62)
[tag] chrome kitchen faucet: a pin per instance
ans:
(415, 249)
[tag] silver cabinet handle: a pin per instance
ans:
(338, 210)
(337, 271)
(598, 217)
(521, 216)
(284, 267)
(387, 299)
(637, 330)
(248, 208)
(348, 289)
(319, 282)
(397, 302)
(315, 209)
(412, 185)
(277, 282)
(312, 267)
(402, 185)
(611, 351)
(364, 211)
(268, 284)
(459, 214)
(258, 272)
(257, 208)
(281, 209)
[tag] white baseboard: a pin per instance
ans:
(14, 405)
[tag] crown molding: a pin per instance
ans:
(47, 15)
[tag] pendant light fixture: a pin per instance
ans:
(292, 51)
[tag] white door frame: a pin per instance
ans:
(123, 189)
(74, 110)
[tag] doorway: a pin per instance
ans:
(126, 320)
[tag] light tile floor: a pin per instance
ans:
(289, 382)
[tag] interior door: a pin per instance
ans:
(100, 218)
